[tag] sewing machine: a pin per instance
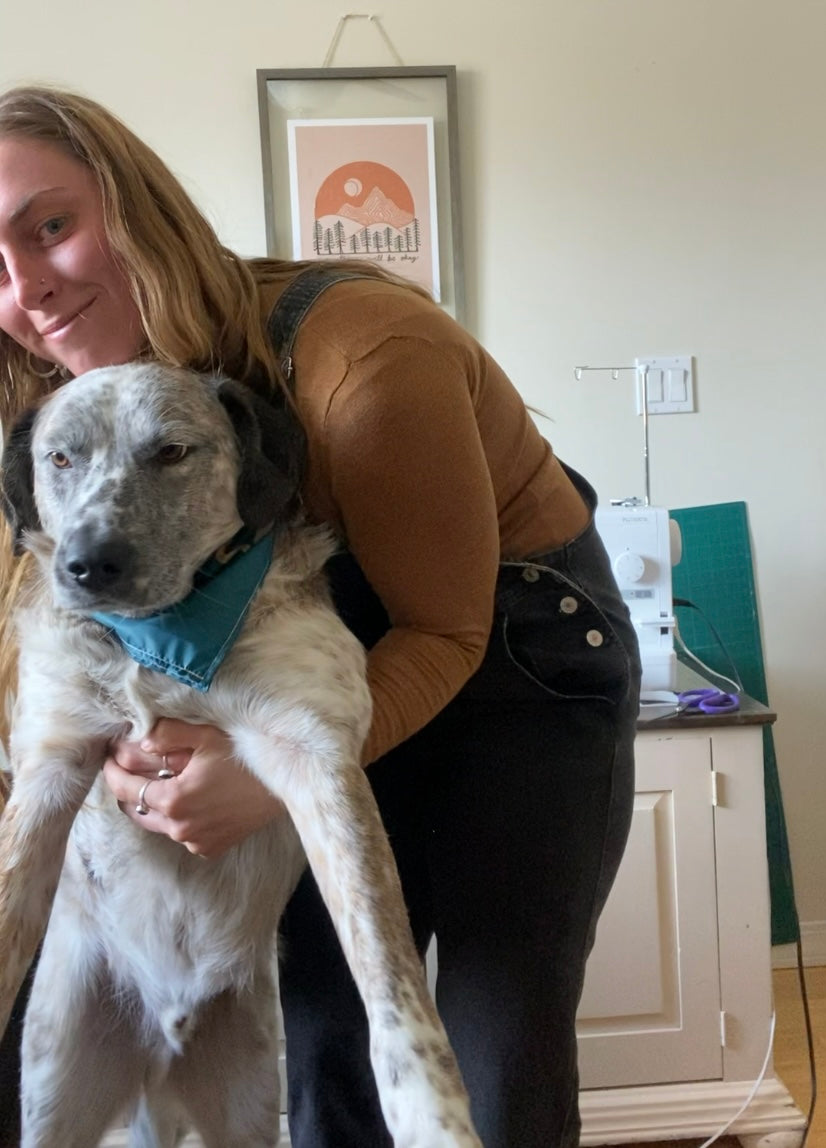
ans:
(643, 544)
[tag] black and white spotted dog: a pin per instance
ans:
(154, 992)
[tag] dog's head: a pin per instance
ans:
(129, 477)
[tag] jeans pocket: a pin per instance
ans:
(557, 636)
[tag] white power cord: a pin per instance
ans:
(722, 1131)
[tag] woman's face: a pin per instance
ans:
(62, 295)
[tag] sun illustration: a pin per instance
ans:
(352, 183)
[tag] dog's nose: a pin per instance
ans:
(99, 565)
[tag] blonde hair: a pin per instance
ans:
(199, 302)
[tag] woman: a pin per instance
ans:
(502, 664)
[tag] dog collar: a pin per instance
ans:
(190, 639)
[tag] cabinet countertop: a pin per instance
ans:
(751, 712)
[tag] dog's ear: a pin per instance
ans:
(17, 480)
(273, 450)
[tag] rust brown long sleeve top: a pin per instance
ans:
(426, 463)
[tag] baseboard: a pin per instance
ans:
(685, 1111)
(813, 944)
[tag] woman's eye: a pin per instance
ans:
(173, 452)
(60, 460)
(53, 227)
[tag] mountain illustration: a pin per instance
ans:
(376, 208)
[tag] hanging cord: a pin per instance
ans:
(811, 1052)
(375, 21)
(804, 995)
(810, 1040)
(735, 681)
(722, 1131)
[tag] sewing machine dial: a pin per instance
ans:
(638, 540)
(629, 567)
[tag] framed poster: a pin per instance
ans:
(366, 189)
(362, 163)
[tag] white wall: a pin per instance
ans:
(639, 177)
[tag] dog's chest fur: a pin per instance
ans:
(177, 929)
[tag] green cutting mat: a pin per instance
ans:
(716, 573)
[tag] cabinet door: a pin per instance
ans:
(650, 1011)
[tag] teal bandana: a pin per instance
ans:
(189, 640)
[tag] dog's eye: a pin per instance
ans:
(59, 460)
(173, 452)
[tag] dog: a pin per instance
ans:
(155, 993)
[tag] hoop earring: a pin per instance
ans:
(41, 374)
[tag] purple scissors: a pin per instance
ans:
(708, 701)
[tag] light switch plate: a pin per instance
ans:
(670, 384)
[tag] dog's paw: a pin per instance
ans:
(431, 1113)
(449, 1133)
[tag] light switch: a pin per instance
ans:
(656, 393)
(669, 384)
(675, 391)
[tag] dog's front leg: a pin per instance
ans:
(51, 780)
(331, 803)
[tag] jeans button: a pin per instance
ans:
(530, 574)
(568, 605)
(594, 638)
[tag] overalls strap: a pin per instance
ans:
(295, 302)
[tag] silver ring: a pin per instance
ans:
(166, 772)
(142, 807)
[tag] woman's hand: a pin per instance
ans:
(211, 804)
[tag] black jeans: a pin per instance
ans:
(508, 815)
(10, 1068)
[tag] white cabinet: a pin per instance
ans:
(674, 1023)
(651, 1007)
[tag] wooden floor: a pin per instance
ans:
(791, 1062)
